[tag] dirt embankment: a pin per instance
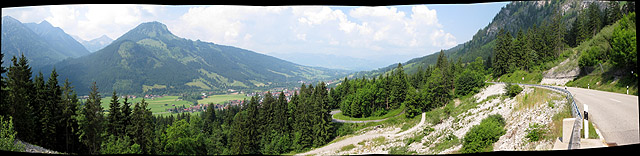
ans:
(559, 75)
(489, 101)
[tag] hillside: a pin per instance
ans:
(151, 57)
(515, 16)
(58, 39)
(41, 43)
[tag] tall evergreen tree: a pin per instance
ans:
(142, 126)
(91, 122)
(54, 100)
(398, 88)
(114, 118)
(70, 106)
(125, 110)
(20, 97)
(43, 117)
(3, 92)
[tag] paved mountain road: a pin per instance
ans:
(615, 114)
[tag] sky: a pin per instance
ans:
(388, 34)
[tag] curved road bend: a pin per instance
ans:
(615, 114)
(356, 139)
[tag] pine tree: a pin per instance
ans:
(4, 110)
(595, 21)
(20, 97)
(54, 100)
(39, 105)
(398, 88)
(142, 128)
(114, 118)
(70, 106)
(125, 110)
(91, 122)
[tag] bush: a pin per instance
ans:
(513, 89)
(623, 42)
(469, 82)
(592, 56)
(482, 136)
(8, 136)
(344, 129)
(535, 132)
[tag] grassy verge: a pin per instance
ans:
(532, 77)
(603, 79)
(537, 96)
(592, 132)
(556, 123)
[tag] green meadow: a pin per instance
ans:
(158, 107)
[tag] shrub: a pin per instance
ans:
(482, 136)
(513, 90)
(8, 135)
(535, 132)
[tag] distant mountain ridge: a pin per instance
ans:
(41, 43)
(149, 58)
(58, 39)
(96, 43)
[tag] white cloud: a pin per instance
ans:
(357, 31)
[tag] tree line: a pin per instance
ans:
(46, 114)
(529, 50)
(428, 88)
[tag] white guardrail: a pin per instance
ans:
(574, 141)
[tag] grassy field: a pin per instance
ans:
(222, 98)
(157, 105)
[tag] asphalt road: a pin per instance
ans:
(615, 115)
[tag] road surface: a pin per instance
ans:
(615, 114)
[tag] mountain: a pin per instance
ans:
(58, 39)
(41, 43)
(330, 61)
(149, 58)
(96, 44)
(513, 17)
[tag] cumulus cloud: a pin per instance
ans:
(357, 31)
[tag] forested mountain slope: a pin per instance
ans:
(151, 58)
(41, 43)
(515, 16)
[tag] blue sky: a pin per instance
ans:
(386, 34)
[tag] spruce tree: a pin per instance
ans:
(70, 106)
(91, 122)
(114, 118)
(125, 110)
(43, 117)
(20, 97)
(54, 100)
